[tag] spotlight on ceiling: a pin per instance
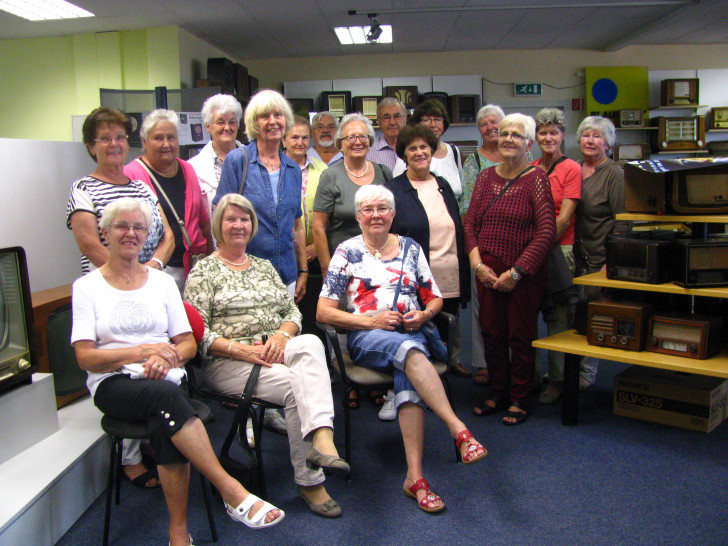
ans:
(375, 31)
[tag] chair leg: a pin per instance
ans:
(118, 468)
(258, 431)
(109, 490)
(347, 430)
(208, 507)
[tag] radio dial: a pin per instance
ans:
(23, 364)
(613, 339)
(653, 341)
(624, 341)
(663, 144)
(600, 337)
(693, 348)
(700, 143)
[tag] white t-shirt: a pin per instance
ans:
(449, 169)
(115, 319)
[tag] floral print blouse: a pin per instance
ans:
(239, 305)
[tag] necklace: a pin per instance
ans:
(245, 261)
(357, 175)
(128, 279)
(377, 253)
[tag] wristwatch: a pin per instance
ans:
(515, 275)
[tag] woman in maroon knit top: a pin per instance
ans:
(508, 243)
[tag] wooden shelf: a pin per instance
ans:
(717, 131)
(682, 107)
(636, 128)
(600, 279)
(573, 343)
(681, 218)
(683, 152)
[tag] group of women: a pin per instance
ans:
(280, 221)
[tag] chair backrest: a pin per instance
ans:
(67, 376)
(196, 322)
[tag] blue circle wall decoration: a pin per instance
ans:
(604, 91)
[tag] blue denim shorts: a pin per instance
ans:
(383, 350)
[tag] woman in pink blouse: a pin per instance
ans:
(509, 230)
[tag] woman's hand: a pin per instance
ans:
(156, 367)
(248, 353)
(274, 348)
(310, 253)
(389, 320)
(166, 351)
(414, 320)
(486, 276)
(505, 283)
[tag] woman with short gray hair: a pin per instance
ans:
(221, 114)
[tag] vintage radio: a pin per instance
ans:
(302, 107)
(719, 116)
(336, 102)
(463, 108)
(700, 191)
(242, 87)
(631, 152)
(367, 105)
(679, 92)
(628, 118)
(253, 85)
(617, 324)
(437, 95)
(679, 134)
(638, 260)
(692, 336)
(221, 71)
(18, 360)
(698, 263)
(406, 94)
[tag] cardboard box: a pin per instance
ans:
(695, 402)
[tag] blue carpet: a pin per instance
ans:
(610, 480)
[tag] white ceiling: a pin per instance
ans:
(258, 29)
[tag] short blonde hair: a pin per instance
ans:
(263, 103)
(232, 199)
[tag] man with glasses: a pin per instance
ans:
(391, 117)
(323, 129)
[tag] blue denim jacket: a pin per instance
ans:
(274, 240)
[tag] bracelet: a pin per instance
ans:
(228, 351)
(478, 267)
(432, 315)
(303, 271)
(161, 265)
(283, 333)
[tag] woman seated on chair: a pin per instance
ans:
(384, 282)
(241, 298)
(132, 337)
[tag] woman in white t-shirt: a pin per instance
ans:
(132, 337)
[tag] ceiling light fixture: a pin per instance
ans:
(373, 34)
(43, 10)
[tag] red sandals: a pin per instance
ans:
(429, 497)
(472, 446)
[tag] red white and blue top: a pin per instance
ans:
(368, 285)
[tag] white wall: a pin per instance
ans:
(37, 177)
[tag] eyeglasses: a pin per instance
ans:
(327, 127)
(515, 136)
(222, 123)
(106, 140)
(387, 117)
(351, 139)
(432, 119)
(123, 227)
(381, 210)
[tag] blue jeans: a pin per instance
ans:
(383, 350)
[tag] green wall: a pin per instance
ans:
(45, 81)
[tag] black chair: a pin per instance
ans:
(119, 430)
(68, 379)
(358, 378)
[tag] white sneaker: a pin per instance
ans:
(273, 420)
(389, 410)
(249, 433)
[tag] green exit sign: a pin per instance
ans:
(526, 89)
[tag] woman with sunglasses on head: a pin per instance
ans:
(510, 228)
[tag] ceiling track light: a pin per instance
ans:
(375, 31)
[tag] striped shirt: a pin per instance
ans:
(93, 195)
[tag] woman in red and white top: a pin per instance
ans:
(510, 228)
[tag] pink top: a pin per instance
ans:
(443, 246)
(565, 184)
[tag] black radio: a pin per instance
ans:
(700, 262)
(638, 260)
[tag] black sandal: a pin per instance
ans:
(377, 398)
(519, 416)
(353, 399)
(142, 480)
(484, 409)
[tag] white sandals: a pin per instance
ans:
(258, 520)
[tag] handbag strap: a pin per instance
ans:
(508, 185)
(241, 189)
(407, 244)
(180, 222)
(559, 160)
